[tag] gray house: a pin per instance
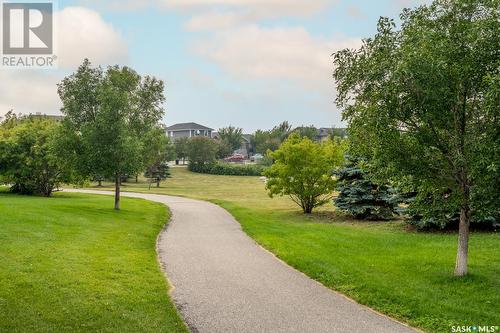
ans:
(188, 130)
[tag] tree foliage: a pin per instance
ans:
(157, 172)
(158, 153)
(303, 170)
(231, 136)
(181, 148)
(307, 131)
(111, 119)
(263, 141)
(224, 149)
(29, 158)
(202, 151)
(422, 103)
(361, 197)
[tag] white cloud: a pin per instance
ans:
(276, 7)
(28, 91)
(264, 7)
(216, 20)
(289, 54)
(355, 12)
(82, 33)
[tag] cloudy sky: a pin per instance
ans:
(249, 63)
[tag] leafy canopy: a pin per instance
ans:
(112, 121)
(29, 158)
(231, 136)
(303, 170)
(202, 150)
(422, 102)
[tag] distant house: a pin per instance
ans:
(246, 144)
(324, 133)
(188, 130)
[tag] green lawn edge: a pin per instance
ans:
(72, 264)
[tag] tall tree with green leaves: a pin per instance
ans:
(303, 170)
(110, 116)
(422, 102)
(232, 136)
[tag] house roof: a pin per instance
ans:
(247, 137)
(188, 126)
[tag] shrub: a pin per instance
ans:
(303, 171)
(28, 158)
(226, 169)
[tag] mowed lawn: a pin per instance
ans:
(73, 264)
(405, 274)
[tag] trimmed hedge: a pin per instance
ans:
(227, 169)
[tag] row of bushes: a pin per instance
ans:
(226, 169)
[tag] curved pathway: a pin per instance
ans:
(224, 282)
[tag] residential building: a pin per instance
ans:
(188, 130)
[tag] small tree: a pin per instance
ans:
(181, 148)
(232, 136)
(361, 197)
(223, 149)
(303, 170)
(201, 151)
(157, 172)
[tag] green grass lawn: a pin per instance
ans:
(405, 274)
(73, 264)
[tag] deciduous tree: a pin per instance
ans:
(202, 150)
(109, 114)
(422, 103)
(232, 136)
(303, 170)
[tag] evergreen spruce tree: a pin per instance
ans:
(361, 197)
(157, 172)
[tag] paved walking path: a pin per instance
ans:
(224, 282)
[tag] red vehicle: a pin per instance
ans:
(236, 158)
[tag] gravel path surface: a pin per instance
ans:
(224, 282)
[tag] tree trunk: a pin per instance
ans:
(117, 192)
(463, 231)
(308, 207)
(158, 182)
(136, 179)
(100, 183)
(463, 243)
